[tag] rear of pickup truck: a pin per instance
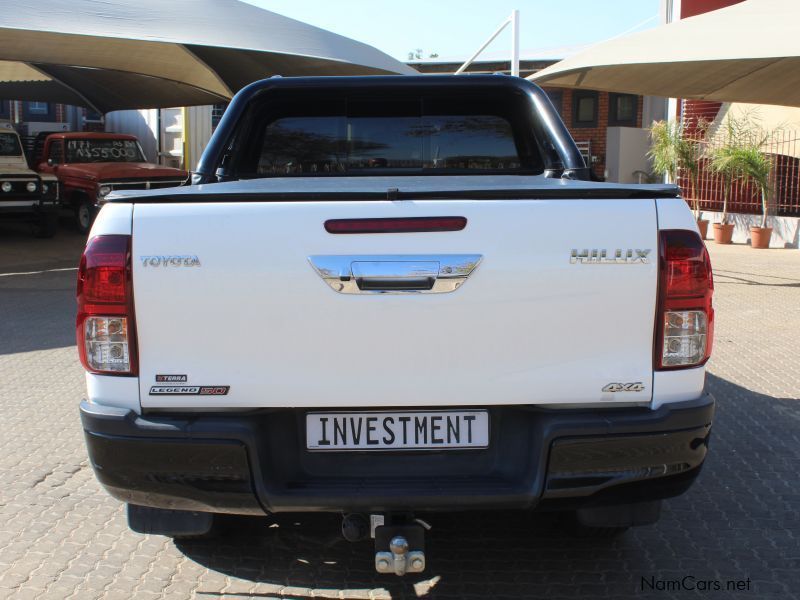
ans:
(397, 342)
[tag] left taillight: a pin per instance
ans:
(106, 333)
(685, 315)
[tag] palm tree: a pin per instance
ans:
(725, 163)
(740, 157)
(726, 159)
(756, 166)
(665, 138)
(673, 152)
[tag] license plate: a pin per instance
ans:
(418, 430)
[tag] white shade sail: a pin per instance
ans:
(748, 52)
(157, 53)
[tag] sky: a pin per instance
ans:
(454, 29)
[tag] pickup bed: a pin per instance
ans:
(390, 296)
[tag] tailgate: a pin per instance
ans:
(254, 324)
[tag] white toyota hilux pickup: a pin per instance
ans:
(390, 296)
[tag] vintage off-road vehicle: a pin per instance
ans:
(24, 194)
(90, 166)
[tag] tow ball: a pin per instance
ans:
(399, 540)
(400, 560)
(400, 548)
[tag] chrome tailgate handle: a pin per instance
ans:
(395, 274)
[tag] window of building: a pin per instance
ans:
(622, 109)
(56, 153)
(557, 100)
(216, 114)
(584, 108)
(38, 108)
(5, 110)
(92, 116)
(38, 111)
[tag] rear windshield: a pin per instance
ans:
(103, 150)
(412, 136)
(9, 145)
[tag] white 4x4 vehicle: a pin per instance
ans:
(389, 296)
(24, 194)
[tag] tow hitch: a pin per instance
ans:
(400, 549)
(399, 540)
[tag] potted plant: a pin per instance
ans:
(756, 166)
(726, 161)
(739, 156)
(673, 152)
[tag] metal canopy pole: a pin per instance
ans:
(513, 18)
(515, 42)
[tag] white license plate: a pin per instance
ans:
(418, 430)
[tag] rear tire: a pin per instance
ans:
(84, 215)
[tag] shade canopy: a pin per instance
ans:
(156, 53)
(748, 52)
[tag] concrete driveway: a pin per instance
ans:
(62, 536)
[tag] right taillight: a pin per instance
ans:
(685, 316)
(106, 334)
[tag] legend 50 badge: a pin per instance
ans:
(189, 390)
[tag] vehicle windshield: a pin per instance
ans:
(103, 150)
(9, 144)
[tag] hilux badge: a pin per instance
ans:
(618, 256)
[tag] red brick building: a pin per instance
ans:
(32, 117)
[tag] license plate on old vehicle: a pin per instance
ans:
(418, 430)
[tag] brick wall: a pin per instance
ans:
(695, 110)
(691, 8)
(595, 135)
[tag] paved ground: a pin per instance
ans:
(62, 536)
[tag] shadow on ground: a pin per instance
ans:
(737, 523)
(737, 277)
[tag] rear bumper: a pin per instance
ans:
(256, 462)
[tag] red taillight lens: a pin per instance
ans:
(685, 317)
(105, 326)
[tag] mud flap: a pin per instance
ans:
(172, 523)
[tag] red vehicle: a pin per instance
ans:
(89, 166)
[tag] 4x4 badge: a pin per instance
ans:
(636, 386)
